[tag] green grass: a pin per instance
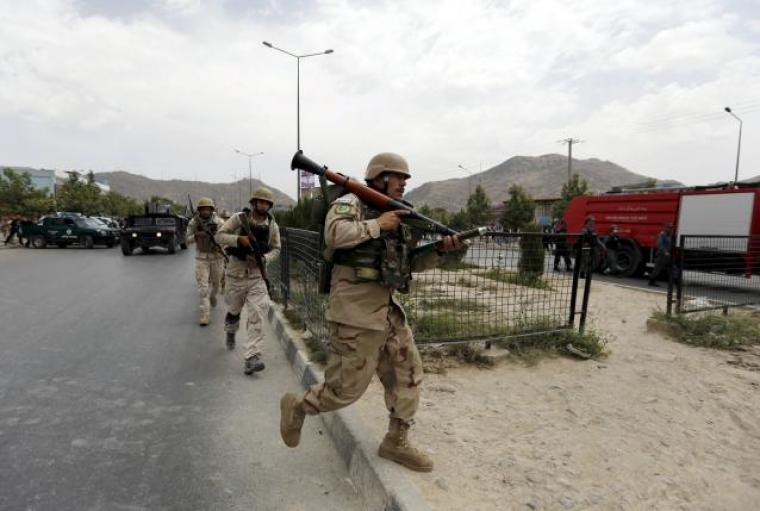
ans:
(453, 304)
(520, 279)
(448, 326)
(730, 332)
(294, 319)
(317, 350)
(532, 348)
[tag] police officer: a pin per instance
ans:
(244, 284)
(368, 329)
(208, 259)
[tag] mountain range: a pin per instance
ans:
(541, 176)
(226, 195)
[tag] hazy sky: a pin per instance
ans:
(167, 88)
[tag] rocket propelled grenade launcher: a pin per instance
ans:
(378, 199)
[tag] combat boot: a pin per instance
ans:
(395, 447)
(253, 364)
(291, 419)
(230, 341)
(203, 320)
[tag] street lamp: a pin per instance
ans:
(469, 179)
(250, 178)
(739, 148)
(298, 100)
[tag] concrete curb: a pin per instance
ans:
(382, 484)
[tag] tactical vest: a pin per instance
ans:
(204, 244)
(261, 233)
(384, 259)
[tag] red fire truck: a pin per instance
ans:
(711, 211)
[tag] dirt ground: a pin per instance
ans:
(656, 425)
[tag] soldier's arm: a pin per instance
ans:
(190, 233)
(344, 227)
(274, 243)
(227, 234)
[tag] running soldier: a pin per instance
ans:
(368, 329)
(208, 258)
(244, 282)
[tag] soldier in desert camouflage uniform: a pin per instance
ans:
(368, 329)
(244, 283)
(208, 259)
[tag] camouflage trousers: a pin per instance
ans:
(249, 291)
(356, 354)
(208, 273)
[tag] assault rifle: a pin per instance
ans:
(201, 227)
(255, 250)
(382, 202)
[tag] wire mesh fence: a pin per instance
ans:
(714, 272)
(503, 285)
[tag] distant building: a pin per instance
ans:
(41, 179)
(542, 215)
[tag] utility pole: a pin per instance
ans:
(570, 141)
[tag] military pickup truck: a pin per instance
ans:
(65, 231)
(154, 230)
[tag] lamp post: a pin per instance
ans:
(739, 148)
(469, 179)
(298, 100)
(250, 177)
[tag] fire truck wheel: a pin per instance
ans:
(628, 258)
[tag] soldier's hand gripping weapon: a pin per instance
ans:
(382, 202)
(201, 227)
(255, 250)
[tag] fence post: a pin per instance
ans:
(671, 278)
(679, 281)
(576, 273)
(587, 286)
(284, 269)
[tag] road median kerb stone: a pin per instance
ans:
(382, 484)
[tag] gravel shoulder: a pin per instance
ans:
(656, 425)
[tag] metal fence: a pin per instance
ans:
(714, 272)
(504, 285)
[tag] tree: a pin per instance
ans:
(575, 187)
(531, 262)
(651, 182)
(115, 204)
(478, 208)
(519, 209)
(79, 195)
(18, 196)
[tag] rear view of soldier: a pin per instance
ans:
(244, 284)
(208, 259)
(368, 330)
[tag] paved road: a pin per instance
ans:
(112, 398)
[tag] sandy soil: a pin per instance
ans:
(657, 425)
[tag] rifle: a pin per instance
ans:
(258, 254)
(381, 201)
(200, 227)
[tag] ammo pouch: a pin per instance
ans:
(384, 260)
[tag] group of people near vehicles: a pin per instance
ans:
(603, 255)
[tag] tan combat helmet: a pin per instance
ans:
(386, 162)
(206, 202)
(224, 214)
(264, 194)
